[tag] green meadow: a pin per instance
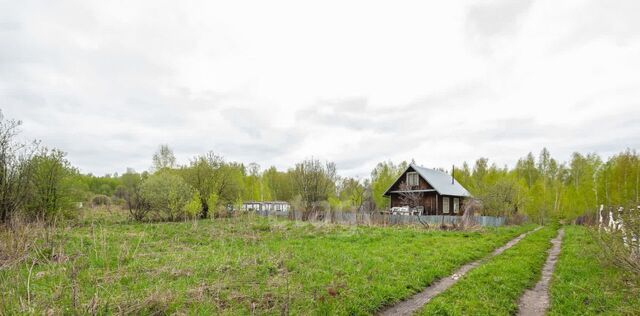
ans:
(239, 265)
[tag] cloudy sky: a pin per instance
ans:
(355, 82)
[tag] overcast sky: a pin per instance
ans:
(355, 82)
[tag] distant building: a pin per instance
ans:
(280, 206)
(436, 192)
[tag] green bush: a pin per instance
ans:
(194, 206)
(100, 199)
(167, 195)
(214, 206)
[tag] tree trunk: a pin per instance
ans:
(205, 209)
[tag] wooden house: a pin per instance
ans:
(433, 192)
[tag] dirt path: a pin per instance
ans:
(536, 301)
(411, 305)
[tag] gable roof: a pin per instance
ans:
(439, 180)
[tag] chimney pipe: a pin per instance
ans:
(453, 170)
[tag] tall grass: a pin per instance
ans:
(239, 265)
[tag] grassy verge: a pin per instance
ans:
(583, 285)
(234, 266)
(495, 287)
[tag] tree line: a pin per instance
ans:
(543, 187)
(38, 182)
(539, 187)
(41, 183)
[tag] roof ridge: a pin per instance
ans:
(433, 169)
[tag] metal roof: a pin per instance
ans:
(439, 180)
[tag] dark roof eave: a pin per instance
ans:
(421, 191)
(418, 191)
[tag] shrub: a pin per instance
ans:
(167, 195)
(621, 245)
(237, 205)
(15, 169)
(214, 207)
(132, 195)
(194, 206)
(119, 202)
(100, 199)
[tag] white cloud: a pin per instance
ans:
(355, 82)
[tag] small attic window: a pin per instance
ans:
(412, 179)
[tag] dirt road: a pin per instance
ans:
(411, 305)
(536, 301)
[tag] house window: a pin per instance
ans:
(456, 205)
(445, 204)
(412, 179)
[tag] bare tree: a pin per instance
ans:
(412, 199)
(409, 197)
(314, 182)
(368, 202)
(164, 158)
(471, 206)
(132, 182)
(15, 168)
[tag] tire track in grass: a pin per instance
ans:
(535, 301)
(411, 305)
(495, 287)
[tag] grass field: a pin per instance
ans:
(585, 285)
(235, 266)
(495, 287)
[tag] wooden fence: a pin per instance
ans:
(362, 218)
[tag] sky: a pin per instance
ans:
(354, 82)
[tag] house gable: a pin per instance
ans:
(422, 182)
